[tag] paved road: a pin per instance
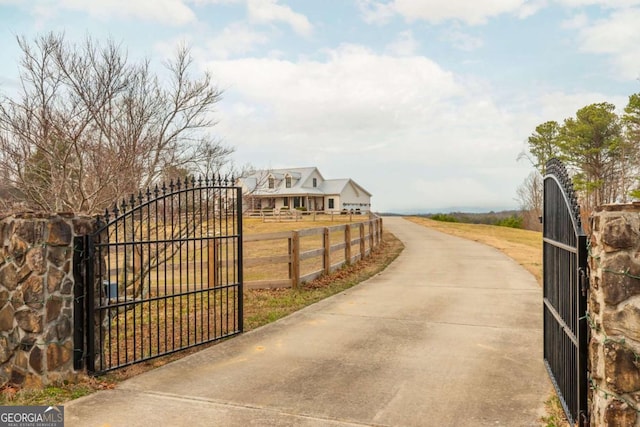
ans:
(449, 335)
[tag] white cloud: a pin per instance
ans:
(531, 7)
(382, 118)
(576, 22)
(612, 4)
(200, 2)
(437, 11)
(270, 11)
(404, 45)
(558, 105)
(236, 39)
(374, 113)
(170, 12)
(463, 41)
(618, 36)
(374, 12)
(354, 87)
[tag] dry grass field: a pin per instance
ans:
(257, 252)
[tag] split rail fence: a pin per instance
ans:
(290, 258)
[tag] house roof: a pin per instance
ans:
(336, 186)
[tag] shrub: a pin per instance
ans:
(444, 218)
(514, 221)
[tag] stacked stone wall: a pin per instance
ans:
(36, 297)
(614, 316)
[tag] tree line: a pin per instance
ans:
(599, 147)
(85, 125)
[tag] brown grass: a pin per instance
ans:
(266, 305)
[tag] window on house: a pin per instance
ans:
(287, 181)
(286, 202)
(330, 201)
(315, 182)
(272, 182)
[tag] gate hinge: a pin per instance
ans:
(584, 281)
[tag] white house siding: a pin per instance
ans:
(337, 207)
(309, 182)
(280, 203)
(354, 197)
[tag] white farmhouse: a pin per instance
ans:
(305, 189)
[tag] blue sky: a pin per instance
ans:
(425, 103)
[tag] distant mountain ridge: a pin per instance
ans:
(511, 218)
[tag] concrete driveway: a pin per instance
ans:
(449, 335)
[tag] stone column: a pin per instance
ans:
(36, 297)
(614, 316)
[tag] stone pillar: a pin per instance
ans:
(614, 316)
(36, 297)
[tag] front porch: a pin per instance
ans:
(284, 203)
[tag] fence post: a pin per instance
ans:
(326, 246)
(362, 240)
(347, 242)
(294, 256)
(371, 236)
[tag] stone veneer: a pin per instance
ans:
(36, 297)
(614, 312)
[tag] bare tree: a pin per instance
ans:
(88, 127)
(530, 198)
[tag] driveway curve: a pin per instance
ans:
(448, 335)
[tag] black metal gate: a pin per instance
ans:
(565, 293)
(162, 273)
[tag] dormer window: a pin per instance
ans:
(287, 181)
(315, 182)
(272, 182)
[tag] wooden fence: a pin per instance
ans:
(286, 215)
(290, 258)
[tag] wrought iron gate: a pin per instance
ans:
(565, 293)
(162, 273)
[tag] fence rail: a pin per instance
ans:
(290, 258)
(287, 215)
